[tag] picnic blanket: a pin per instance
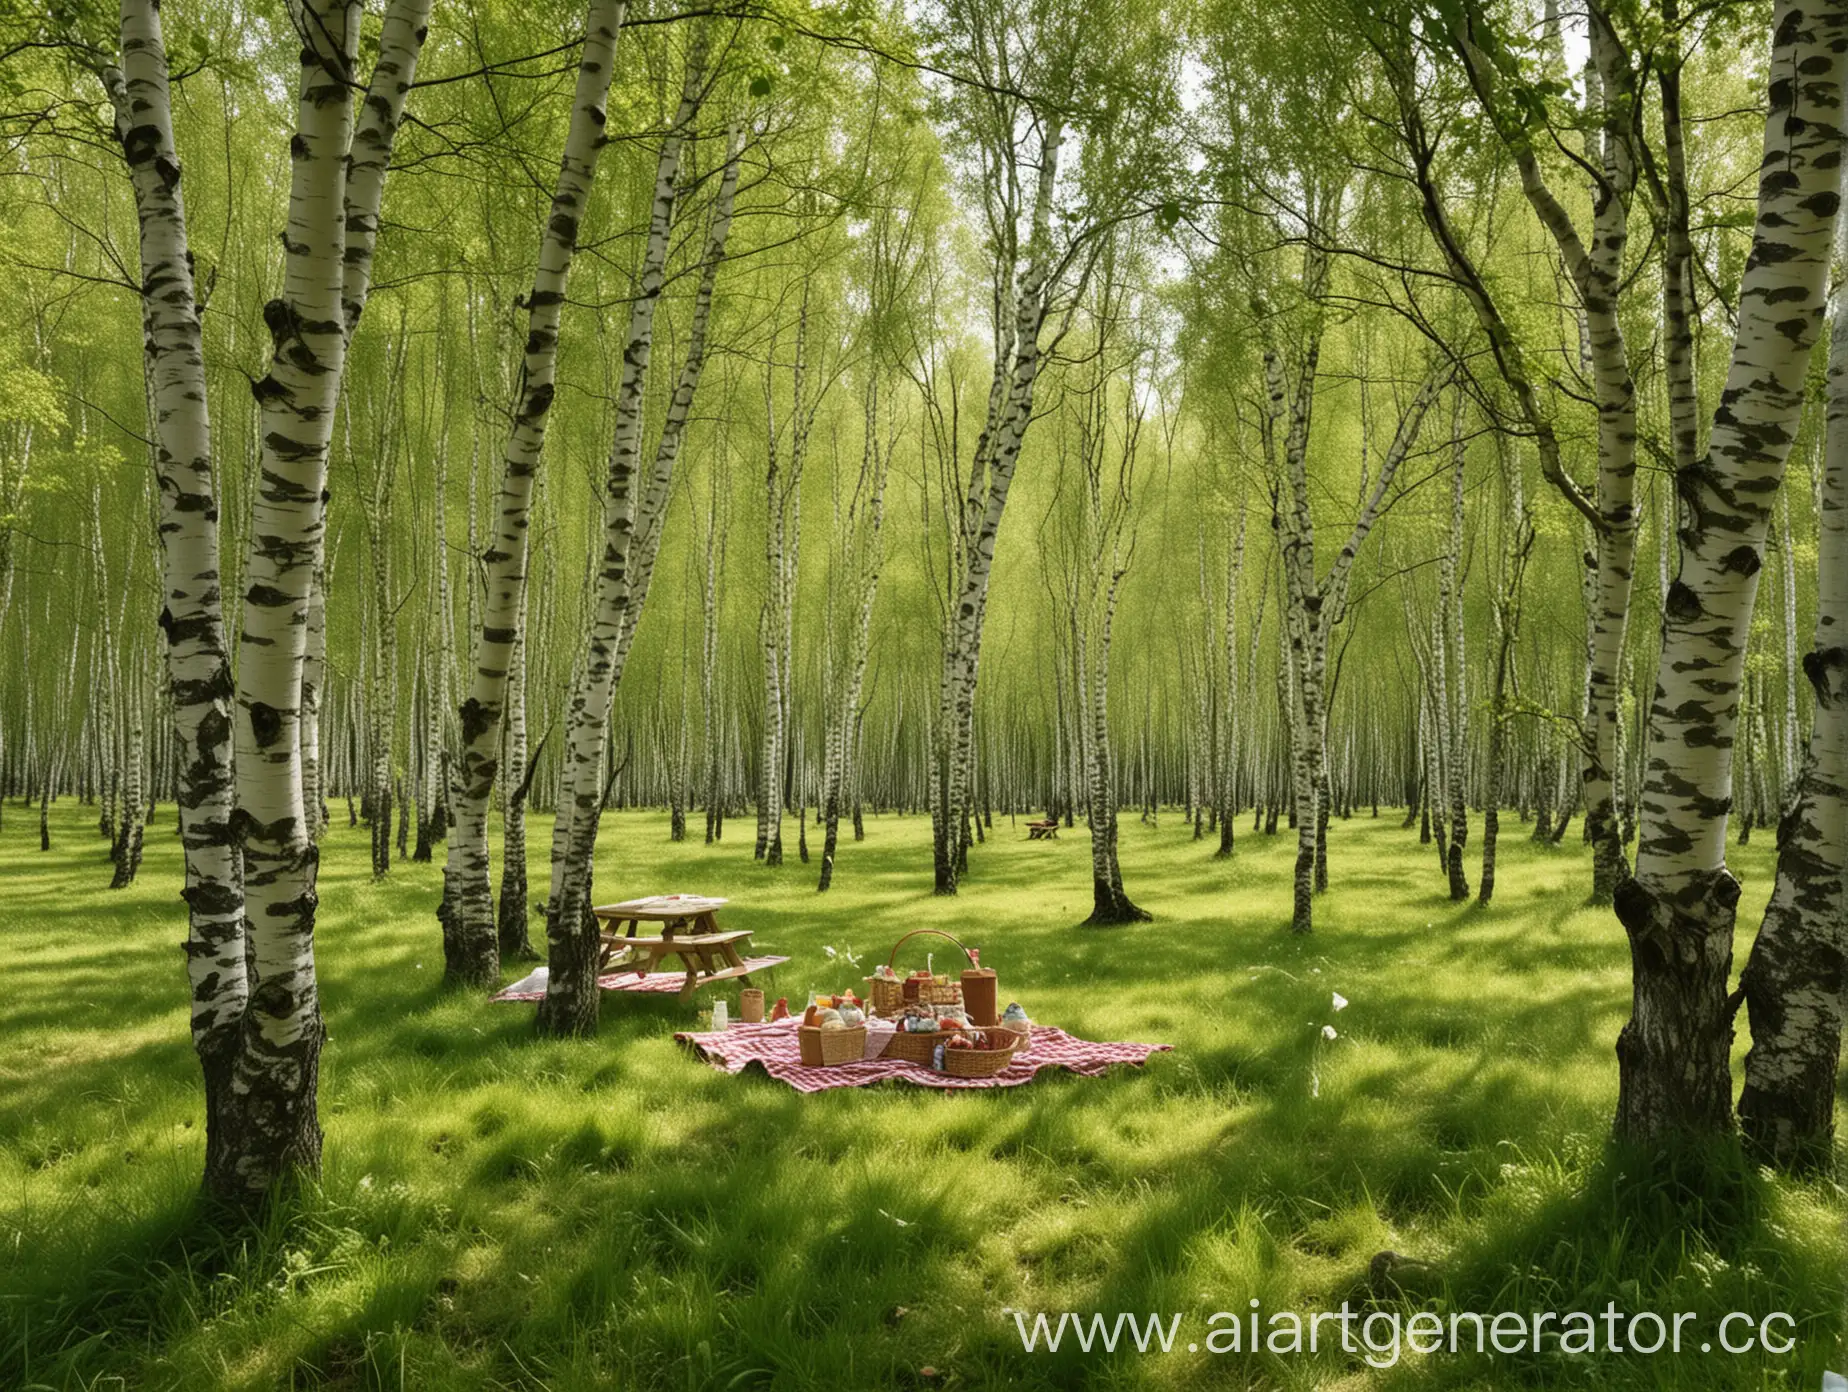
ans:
(667, 981)
(772, 1047)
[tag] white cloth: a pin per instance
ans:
(878, 1034)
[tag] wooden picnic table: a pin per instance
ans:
(708, 954)
(1047, 830)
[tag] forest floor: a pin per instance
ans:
(502, 1212)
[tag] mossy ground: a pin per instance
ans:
(501, 1212)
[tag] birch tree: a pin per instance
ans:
(1679, 907)
(859, 556)
(1029, 61)
(1597, 275)
(1792, 981)
(1516, 550)
(634, 503)
(786, 454)
(1099, 444)
(470, 953)
(256, 1017)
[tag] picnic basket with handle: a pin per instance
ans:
(889, 998)
(820, 1048)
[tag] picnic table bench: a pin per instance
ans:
(707, 954)
(1047, 830)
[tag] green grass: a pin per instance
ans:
(502, 1212)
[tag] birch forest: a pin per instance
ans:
(1348, 477)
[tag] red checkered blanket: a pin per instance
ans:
(668, 980)
(772, 1047)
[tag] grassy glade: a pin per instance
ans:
(500, 1211)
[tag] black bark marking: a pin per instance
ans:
(475, 720)
(1682, 603)
(265, 724)
(1743, 560)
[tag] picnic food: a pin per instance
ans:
(975, 1053)
(825, 1038)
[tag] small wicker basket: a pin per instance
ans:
(958, 1063)
(890, 997)
(982, 1063)
(915, 1048)
(822, 1048)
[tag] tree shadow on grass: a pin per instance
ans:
(116, 1281)
(1689, 1229)
(1694, 1230)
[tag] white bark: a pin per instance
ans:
(1010, 411)
(469, 951)
(570, 1005)
(1679, 908)
(1793, 982)
(192, 614)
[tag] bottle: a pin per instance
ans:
(721, 1016)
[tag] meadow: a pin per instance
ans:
(499, 1211)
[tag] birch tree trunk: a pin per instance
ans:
(381, 660)
(1597, 274)
(192, 616)
(470, 954)
(432, 800)
(515, 943)
(273, 1082)
(1679, 908)
(570, 1004)
(1792, 983)
(314, 677)
(128, 847)
(1449, 637)
(844, 714)
(1226, 768)
(782, 487)
(1313, 606)
(997, 451)
(718, 518)
(1110, 903)
(1517, 545)
(336, 176)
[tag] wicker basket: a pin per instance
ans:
(822, 1048)
(915, 1048)
(958, 1063)
(981, 1063)
(890, 998)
